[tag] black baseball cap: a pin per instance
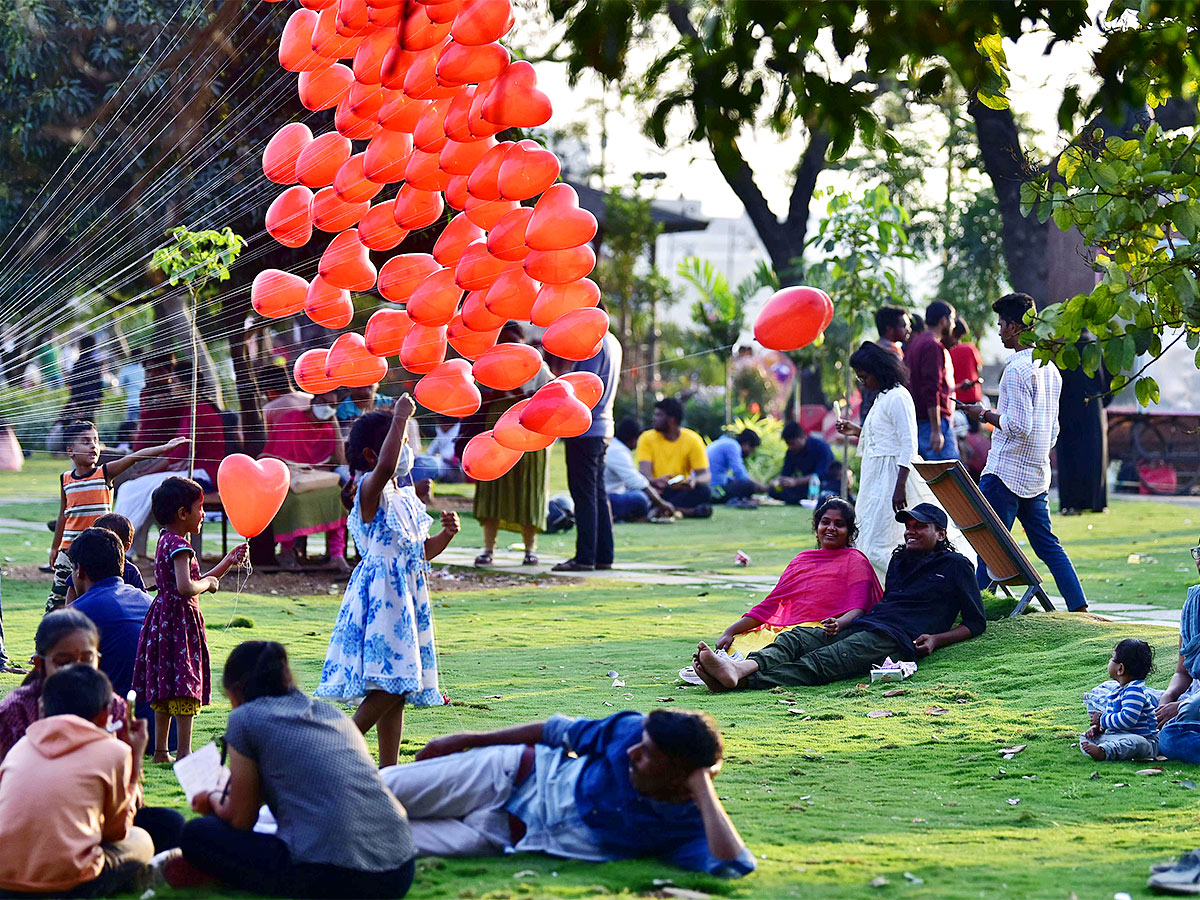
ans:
(924, 512)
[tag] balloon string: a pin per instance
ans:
(244, 570)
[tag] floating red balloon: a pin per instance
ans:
(320, 160)
(454, 239)
(577, 334)
(276, 293)
(378, 229)
(386, 156)
(333, 214)
(485, 460)
(283, 152)
(558, 222)
(435, 300)
(470, 344)
(419, 32)
(309, 372)
(352, 185)
(252, 491)
(515, 101)
(401, 274)
(477, 317)
(465, 64)
(555, 411)
(350, 365)
(449, 390)
(477, 269)
(461, 159)
(511, 295)
(430, 134)
(507, 366)
(368, 58)
(346, 263)
(509, 432)
(560, 266)
(327, 305)
(588, 386)
(526, 171)
(486, 213)
(289, 217)
(401, 113)
(555, 300)
(482, 22)
(326, 88)
(386, 331)
(506, 240)
(423, 349)
(828, 317)
(793, 318)
(295, 43)
(417, 208)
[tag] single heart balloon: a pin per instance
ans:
(526, 171)
(424, 348)
(328, 305)
(476, 123)
(328, 41)
(485, 460)
(477, 269)
(422, 171)
(351, 365)
(378, 229)
(555, 411)
(352, 184)
(295, 43)
(515, 101)
(468, 343)
(507, 366)
(352, 16)
(289, 217)
(477, 317)
(325, 89)
(333, 214)
(442, 10)
(309, 372)
(462, 159)
(354, 125)
(276, 293)
(386, 331)
(558, 222)
(346, 263)
(395, 68)
(456, 192)
(401, 274)
(435, 300)
(368, 58)
(510, 433)
(252, 491)
(506, 240)
(419, 32)
(465, 64)
(388, 17)
(486, 213)
(588, 386)
(420, 81)
(555, 300)
(417, 208)
(454, 240)
(484, 179)
(430, 134)
(560, 266)
(482, 22)
(449, 390)
(320, 160)
(577, 334)
(386, 156)
(791, 319)
(457, 124)
(401, 113)
(511, 295)
(283, 152)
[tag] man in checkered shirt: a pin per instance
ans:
(1017, 475)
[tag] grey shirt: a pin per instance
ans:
(321, 784)
(607, 365)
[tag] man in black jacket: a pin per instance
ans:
(929, 588)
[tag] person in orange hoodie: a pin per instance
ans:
(84, 844)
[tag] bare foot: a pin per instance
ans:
(720, 669)
(1095, 752)
(709, 682)
(162, 756)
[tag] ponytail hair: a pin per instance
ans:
(53, 628)
(258, 669)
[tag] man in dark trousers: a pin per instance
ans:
(931, 382)
(585, 467)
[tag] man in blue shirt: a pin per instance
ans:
(727, 457)
(627, 786)
(807, 458)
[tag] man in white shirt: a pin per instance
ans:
(630, 493)
(1017, 475)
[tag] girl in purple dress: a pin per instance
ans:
(172, 670)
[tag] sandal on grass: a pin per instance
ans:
(529, 560)
(483, 559)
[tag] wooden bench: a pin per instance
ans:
(1006, 562)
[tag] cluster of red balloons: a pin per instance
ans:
(793, 318)
(427, 85)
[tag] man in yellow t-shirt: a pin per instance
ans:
(674, 460)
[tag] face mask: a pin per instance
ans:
(323, 411)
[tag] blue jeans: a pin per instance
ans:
(1034, 513)
(1180, 741)
(629, 505)
(949, 441)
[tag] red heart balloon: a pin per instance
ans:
(486, 213)
(461, 159)
(468, 343)
(477, 269)
(319, 162)
(386, 156)
(283, 152)
(423, 172)
(555, 300)
(458, 116)
(368, 58)
(791, 319)
(309, 372)
(477, 317)
(387, 17)
(435, 301)
(485, 460)
(509, 432)
(476, 123)
(252, 491)
(555, 411)
(419, 32)
(442, 10)
(511, 295)
(465, 64)
(386, 331)
(346, 263)
(401, 274)
(484, 180)
(577, 334)
(417, 208)
(328, 306)
(482, 21)
(506, 240)
(378, 229)
(449, 390)
(454, 239)
(318, 5)
(352, 16)
(354, 125)
(423, 349)
(560, 266)
(333, 214)
(295, 43)
(430, 134)
(420, 81)
(289, 217)
(507, 366)
(526, 171)
(515, 101)
(456, 192)
(401, 113)
(558, 223)
(328, 41)
(276, 293)
(325, 89)
(350, 365)
(587, 385)
(352, 184)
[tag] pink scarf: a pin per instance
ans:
(819, 584)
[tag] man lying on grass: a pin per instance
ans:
(928, 588)
(617, 788)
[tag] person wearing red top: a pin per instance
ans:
(967, 364)
(932, 383)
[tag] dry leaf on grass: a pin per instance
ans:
(797, 710)
(1010, 752)
(936, 710)
(894, 692)
(1154, 771)
(880, 714)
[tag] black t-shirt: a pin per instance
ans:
(925, 594)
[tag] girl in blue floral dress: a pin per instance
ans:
(382, 649)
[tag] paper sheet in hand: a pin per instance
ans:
(201, 771)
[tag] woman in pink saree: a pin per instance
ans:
(833, 584)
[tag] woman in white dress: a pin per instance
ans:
(887, 445)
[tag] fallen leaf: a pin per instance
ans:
(894, 692)
(785, 701)
(1010, 752)
(936, 710)
(526, 873)
(666, 699)
(880, 714)
(1013, 801)
(797, 710)
(879, 882)
(1154, 771)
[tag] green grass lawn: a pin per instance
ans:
(827, 798)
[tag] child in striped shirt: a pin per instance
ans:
(86, 495)
(1127, 729)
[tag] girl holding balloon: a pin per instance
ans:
(382, 647)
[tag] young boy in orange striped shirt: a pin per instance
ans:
(86, 495)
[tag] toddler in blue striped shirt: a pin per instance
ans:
(1127, 728)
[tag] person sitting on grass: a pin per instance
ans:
(630, 493)
(807, 460)
(833, 584)
(731, 483)
(69, 792)
(1178, 712)
(123, 529)
(627, 786)
(929, 587)
(673, 460)
(1127, 728)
